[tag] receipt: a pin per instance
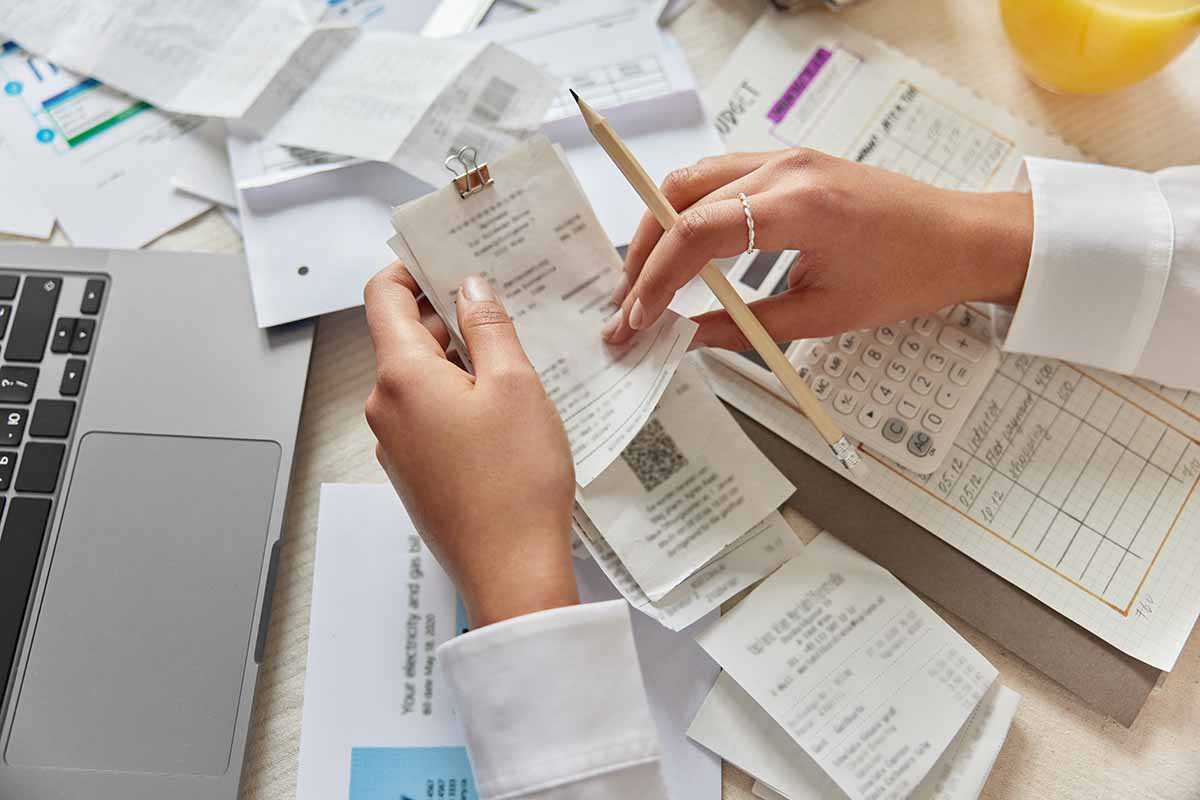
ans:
(758, 553)
(689, 485)
(533, 235)
(736, 728)
(869, 681)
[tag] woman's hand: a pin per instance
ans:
(481, 462)
(874, 246)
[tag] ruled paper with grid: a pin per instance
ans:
(1077, 485)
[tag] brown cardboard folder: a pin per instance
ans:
(1099, 674)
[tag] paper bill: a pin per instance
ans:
(533, 235)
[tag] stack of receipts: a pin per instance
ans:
(839, 682)
(675, 502)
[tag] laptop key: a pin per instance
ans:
(12, 426)
(72, 377)
(93, 293)
(17, 384)
(8, 460)
(40, 464)
(20, 547)
(85, 329)
(5, 316)
(35, 315)
(52, 419)
(8, 286)
(64, 334)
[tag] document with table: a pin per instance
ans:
(533, 235)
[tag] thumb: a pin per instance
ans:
(487, 329)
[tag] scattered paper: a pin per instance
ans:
(377, 721)
(101, 161)
(687, 486)
(533, 235)
(22, 210)
(736, 728)
(751, 558)
(209, 179)
(869, 681)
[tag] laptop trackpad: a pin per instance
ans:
(140, 648)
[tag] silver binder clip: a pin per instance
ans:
(474, 177)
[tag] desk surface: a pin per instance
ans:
(1057, 748)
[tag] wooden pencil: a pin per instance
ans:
(733, 303)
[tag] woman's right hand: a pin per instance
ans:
(874, 246)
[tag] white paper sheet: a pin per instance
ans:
(534, 236)
(688, 486)
(22, 210)
(639, 78)
(736, 728)
(209, 179)
(373, 582)
(102, 161)
(751, 558)
(859, 672)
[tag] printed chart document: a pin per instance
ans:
(751, 558)
(862, 675)
(96, 154)
(736, 728)
(377, 721)
(639, 78)
(533, 235)
(688, 486)
(384, 95)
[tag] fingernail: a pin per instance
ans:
(475, 288)
(620, 290)
(637, 315)
(610, 326)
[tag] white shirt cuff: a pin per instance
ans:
(550, 699)
(1102, 247)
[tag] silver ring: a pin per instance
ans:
(749, 221)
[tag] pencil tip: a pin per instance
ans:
(573, 94)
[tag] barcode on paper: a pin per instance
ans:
(653, 456)
(492, 104)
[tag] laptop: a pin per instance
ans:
(147, 430)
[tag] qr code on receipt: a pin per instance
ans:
(653, 456)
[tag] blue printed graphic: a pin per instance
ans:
(411, 773)
(45, 135)
(13, 88)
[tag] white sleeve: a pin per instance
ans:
(554, 707)
(1114, 275)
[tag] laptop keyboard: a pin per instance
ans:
(47, 324)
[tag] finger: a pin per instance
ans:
(394, 317)
(433, 323)
(488, 331)
(702, 233)
(684, 188)
(795, 314)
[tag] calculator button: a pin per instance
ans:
(964, 317)
(936, 360)
(960, 374)
(897, 370)
(884, 392)
(849, 342)
(858, 379)
(912, 347)
(894, 429)
(805, 372)
(872, 356)
(920, 444)
(933, 421)
(822, 386)
(815, 353)
(869, 416)
(885, 335)
(962, 344)
(947, 397)
(908, 406)
(835, 365)
(845, 401)
(922, 383)
(925, 325)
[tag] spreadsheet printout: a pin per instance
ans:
(1077, 485)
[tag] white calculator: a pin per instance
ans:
(904, 390)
